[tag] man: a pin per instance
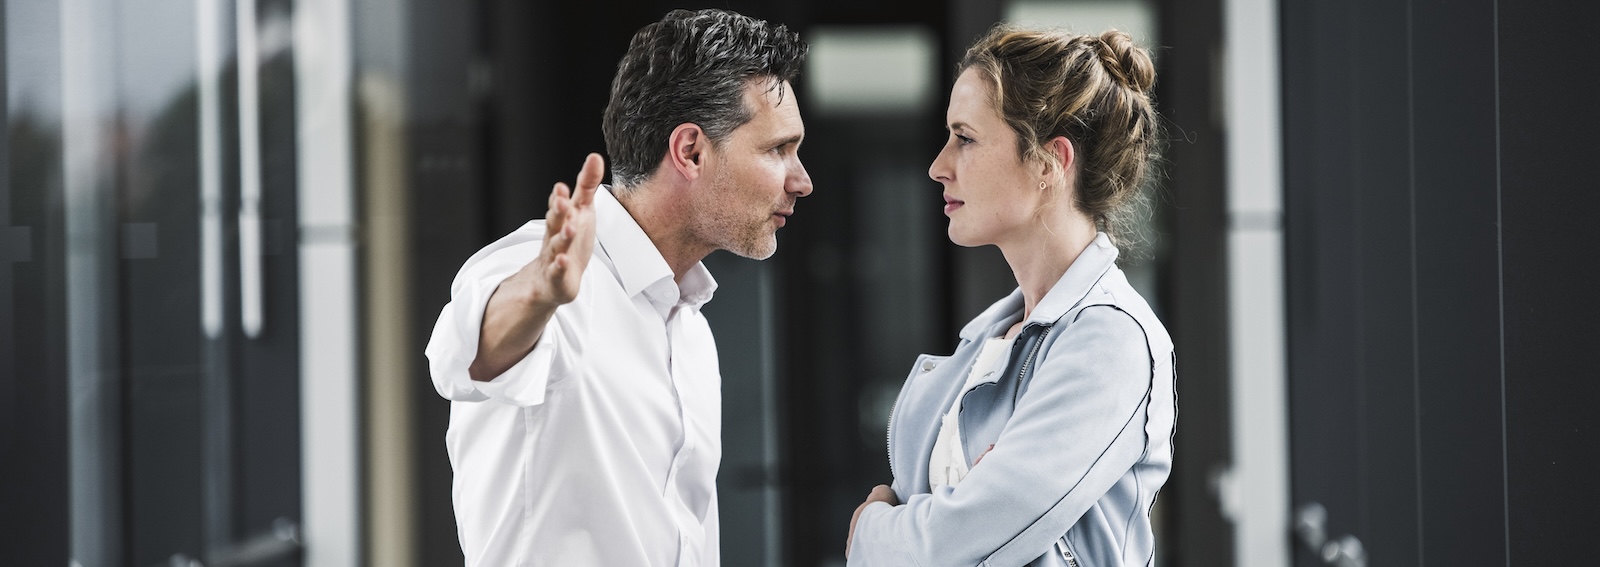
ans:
(586, 417)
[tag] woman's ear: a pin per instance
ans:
(686, 149)
(1064, 152)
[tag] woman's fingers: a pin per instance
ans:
(985, 453)
(882, 493)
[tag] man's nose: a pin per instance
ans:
(800, 182)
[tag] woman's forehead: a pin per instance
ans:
(971, 102)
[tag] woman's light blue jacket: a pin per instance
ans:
(1081, 420)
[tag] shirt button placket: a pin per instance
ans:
(686, 447)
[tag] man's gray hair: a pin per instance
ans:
(690, 67)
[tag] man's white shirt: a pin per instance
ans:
(601, 446)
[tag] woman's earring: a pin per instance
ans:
(1041, 185)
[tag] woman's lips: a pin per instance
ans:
(951, 204)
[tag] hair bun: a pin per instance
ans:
(1126, 61)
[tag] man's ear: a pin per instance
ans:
(686, 149)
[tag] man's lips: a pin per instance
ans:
(782, 216)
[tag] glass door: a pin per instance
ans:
(152, 162)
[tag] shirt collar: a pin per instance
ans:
(638, 264)
(1093, 262)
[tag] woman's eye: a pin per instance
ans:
(963, 139)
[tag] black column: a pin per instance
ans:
(1196, 285)
(1438, 265)
(1550, 261)
(33, 364)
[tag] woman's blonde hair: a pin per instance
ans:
(1095, 91)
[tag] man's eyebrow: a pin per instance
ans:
(795, 139)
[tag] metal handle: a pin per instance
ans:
(1344, 551)
(250, 287)
(210, 62)
(281, 543)
(262, 549)
(1311, 528)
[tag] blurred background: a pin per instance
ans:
(227, 226)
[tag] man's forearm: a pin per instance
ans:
(513, 320)
(523, 304)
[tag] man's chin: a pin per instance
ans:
(756, 249)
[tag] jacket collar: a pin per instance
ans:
(638, 264)
(1093, 262)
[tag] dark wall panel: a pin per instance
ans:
(1346, 127)
(1196, 286)
(1457, 312)
(1551, 256)
(444, 183)
(1385, 467)
(1440, 263)
(34, 458)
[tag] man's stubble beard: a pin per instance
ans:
(756, 240)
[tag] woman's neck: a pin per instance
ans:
(1042, 256)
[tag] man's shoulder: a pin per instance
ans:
(507, 254)
(530, 233)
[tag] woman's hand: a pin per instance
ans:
(880, 493)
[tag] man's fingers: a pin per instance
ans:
(559, 193)
(569, 231)
(560, 205)
(561, 241)
(557, 268)
(558, 243)
(589, 179)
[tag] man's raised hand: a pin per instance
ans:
(568, 236)
(520, 307)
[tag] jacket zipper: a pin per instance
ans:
(1031, 355)
(889, 443)
(1023, 370)
(888, 446)
(1066, 554)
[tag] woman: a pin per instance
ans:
(1064, 390)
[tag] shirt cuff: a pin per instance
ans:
(524, 383)
(454, 346)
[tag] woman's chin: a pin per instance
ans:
(962, 239)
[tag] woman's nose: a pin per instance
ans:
(940, 169)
